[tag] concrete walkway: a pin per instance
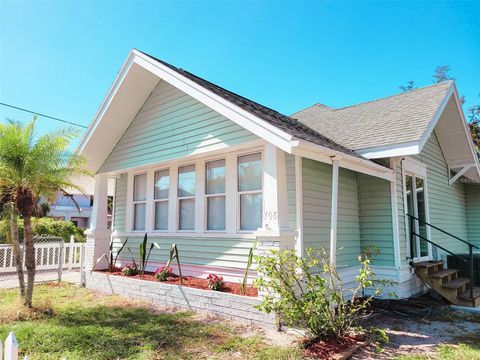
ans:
(11, 281)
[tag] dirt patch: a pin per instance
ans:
(328, 348)
(193, 282)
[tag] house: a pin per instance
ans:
(211, 171)
(76, 208)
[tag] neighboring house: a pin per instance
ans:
(211, 171)
(76, 208)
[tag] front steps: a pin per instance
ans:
(447, 283)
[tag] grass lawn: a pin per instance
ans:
(76, 323)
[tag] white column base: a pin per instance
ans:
(98, 243)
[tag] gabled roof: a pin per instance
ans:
(289, 125)
(396, 119)
(140, 74)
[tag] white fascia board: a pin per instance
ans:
(326, 155)
(436, 117)
(252, 123)
(106, 102)
(387, 151)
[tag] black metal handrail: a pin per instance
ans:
(470, 246)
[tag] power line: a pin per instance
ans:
(43, 115)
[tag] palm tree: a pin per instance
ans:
(34, 167)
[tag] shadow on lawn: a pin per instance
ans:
(105, 332)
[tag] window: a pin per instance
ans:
(250, 191)
(215, 194)
(186, 197)
(139, 201)
(416, 206)
(160, 198)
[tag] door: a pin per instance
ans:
(417, 206)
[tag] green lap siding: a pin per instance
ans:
(170, 125)
(446, 203)
(473, 213)
(317, 195)
(376, 218)
(120, 203)
(216, 251)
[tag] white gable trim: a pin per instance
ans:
(378, 152)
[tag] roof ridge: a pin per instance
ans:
(311, 106)
(395, 95)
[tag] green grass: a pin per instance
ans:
(467, 348)
(78, 324)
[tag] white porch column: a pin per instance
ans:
(334, 212)
(98, 235)
(276, 231)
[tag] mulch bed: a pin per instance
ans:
(330, 348)
(190, 281)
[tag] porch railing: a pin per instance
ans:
(414, 234)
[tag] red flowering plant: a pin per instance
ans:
(130, 269)
(215, 282)
(162, 273)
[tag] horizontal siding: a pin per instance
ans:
(376, 218)
(221, 252)
(291, 190)
(402, 226)
(473, 213)
(317, 195)
(447, 205)
(120, 203)
(172, 124)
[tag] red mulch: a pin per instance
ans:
(328, 347)
(193, 282)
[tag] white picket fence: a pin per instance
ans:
(11, 348)
(49, 256)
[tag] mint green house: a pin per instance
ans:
(211, 171)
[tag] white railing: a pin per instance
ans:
(11, 348)
(48, 256)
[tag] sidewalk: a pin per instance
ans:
(11, 281)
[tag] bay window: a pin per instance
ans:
(215, 195)
(186, 197)
(139, 201)
(250, 191)
(160, 198)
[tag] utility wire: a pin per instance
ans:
(43, 115)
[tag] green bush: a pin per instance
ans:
(308, 292)
(45, 226)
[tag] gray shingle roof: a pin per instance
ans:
(288, 124)
(392, 120)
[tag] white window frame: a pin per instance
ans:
(232, 216)
(167, 200)
(239, 193)
(207, 196)
(179, 198)
(415, 169)
(139, 202)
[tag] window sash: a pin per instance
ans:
(161, 201)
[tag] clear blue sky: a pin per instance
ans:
(60, 58)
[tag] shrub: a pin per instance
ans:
(162, 273)
(45, 226)
(307, 291)
(130, 270)
(215, 282)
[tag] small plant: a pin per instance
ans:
(215, 282)
(243, 284)
(130, 270)
(113, 259)
(162, 273)
(174, 255)
(308, 291)
(144, 254)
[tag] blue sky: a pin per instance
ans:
(60, 58)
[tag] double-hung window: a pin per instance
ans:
(186, 197)
(160, 198)
(250, 191)
(139, 201)
(215, 195)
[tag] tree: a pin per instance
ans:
(473, 114)
(34, 167)
(409, 87)
(442, 73)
